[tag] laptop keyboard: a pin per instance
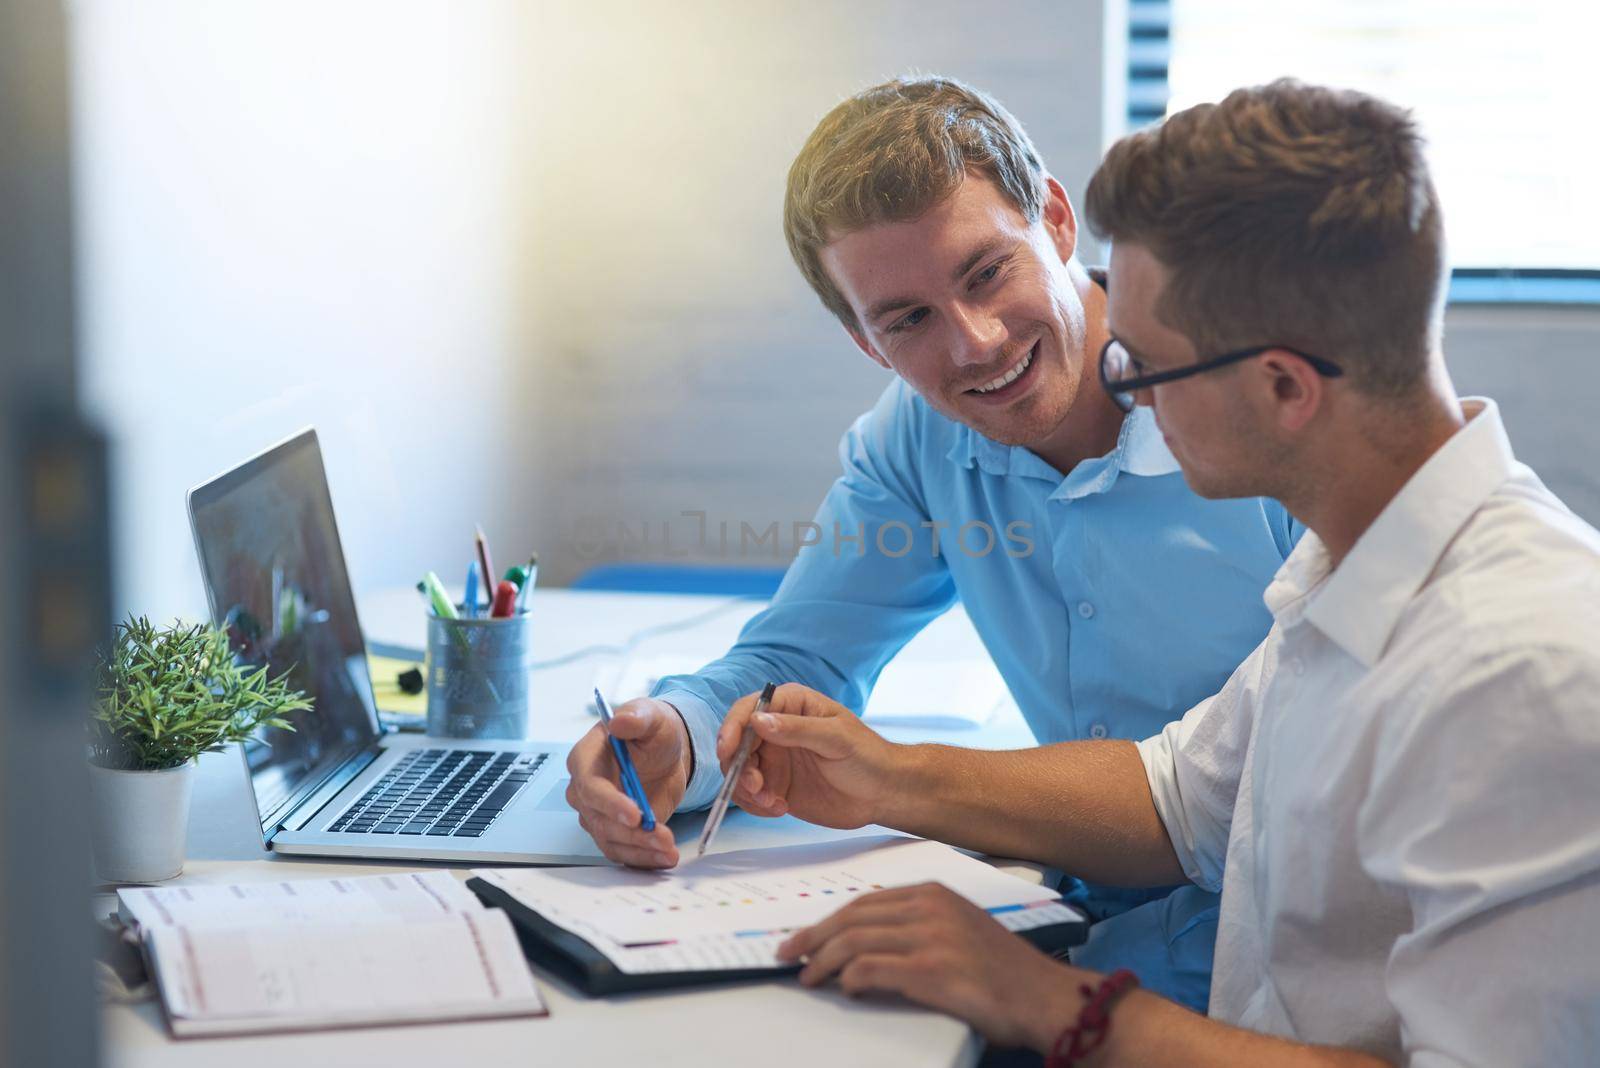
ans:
(441, 792)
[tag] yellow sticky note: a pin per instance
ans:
(385, 672)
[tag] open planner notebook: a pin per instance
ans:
(319, 953)
(723, 916)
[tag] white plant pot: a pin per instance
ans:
(139, 822)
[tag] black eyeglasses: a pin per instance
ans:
(1118, 379)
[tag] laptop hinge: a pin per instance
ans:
(307, 810)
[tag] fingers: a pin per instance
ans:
(827, 737)
(847, 947)
(594, 789)
(882, 973)
(793, 699)
(752, 795)
(790, 699)
(885, 906)
(631, 846)
(777, 771)
(607, 813)
(636, 720)
(732, 730)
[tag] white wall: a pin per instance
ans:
(1542, 364)
(306, 213)
(521, 263)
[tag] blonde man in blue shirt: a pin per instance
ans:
(993, 470)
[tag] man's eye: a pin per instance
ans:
(909, 320)
(988, 273)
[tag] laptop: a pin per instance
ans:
(339, 785)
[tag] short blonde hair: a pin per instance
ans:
(891, 152)
(1288, 214)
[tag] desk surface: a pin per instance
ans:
(788, 1025)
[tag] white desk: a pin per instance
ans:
(776, 1024)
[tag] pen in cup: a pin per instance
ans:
(469, 598)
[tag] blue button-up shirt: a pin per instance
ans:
(1111, 599)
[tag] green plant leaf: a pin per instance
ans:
(166, 694)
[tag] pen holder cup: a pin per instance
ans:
(479, 671)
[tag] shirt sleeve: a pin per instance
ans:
(870, 581)
(1485, 811)
(1194, 766)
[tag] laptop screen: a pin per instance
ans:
(275, 577)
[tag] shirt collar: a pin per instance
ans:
(1140, 450)
(1359, 603)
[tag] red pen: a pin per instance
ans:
(505, 600)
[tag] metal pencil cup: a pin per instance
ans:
(478, 676)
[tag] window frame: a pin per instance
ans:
(1149, 53)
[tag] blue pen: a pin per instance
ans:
(630, 778)
(469, 600)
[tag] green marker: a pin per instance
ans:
(441, 600)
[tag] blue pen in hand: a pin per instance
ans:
(630, 778)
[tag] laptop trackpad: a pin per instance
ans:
(555, 798)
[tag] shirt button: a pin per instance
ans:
(1085, 609)
(1097, 730)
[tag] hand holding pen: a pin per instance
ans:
(658, 747)
(813, 758)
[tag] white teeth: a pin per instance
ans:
(1009, 377)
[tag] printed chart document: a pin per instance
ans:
(730, 911)
(318, 953)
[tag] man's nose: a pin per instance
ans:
(979, 335)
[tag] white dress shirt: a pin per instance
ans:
(1398, 793)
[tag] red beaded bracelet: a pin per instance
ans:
(1094, 1020)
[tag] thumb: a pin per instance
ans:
(635, 720)
(827, 737)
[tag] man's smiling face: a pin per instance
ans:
(974, 307)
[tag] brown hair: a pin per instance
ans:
(1287, 214)
(891, 152)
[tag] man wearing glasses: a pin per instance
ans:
(1396, 792)
(993, 470)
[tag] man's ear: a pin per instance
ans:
(1060, 221)
(1292, 387)
(866, 347)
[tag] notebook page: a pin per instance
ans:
(319, 974)
(405, 897)
(732, 910)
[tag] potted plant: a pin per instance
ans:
(164, 695)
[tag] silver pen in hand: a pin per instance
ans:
(719, 807)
